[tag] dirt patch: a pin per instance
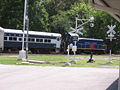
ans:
(51, 63)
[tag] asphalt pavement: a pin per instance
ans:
(57, 78)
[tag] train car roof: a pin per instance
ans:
(32, 32)
(1, 29)
(73, 34)
(90, 39)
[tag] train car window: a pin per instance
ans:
(29, 39)
(37, 40)
(14, 38)
(41, 40)
(17, 35)
(24, 39)
(10, 38)
(12, 34)
(20, 39)
(5, 38)
(20, 35)
(49, 41)
(32, 39)
(45, 40)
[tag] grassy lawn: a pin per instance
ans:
(100, 61)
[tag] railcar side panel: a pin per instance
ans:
(1, 40)
(85, 44)
(12, 44)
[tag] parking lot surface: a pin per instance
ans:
(57, 78)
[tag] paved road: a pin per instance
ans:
(57, 78)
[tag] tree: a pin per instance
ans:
(11, 13)
(38, 16)
(60, 23)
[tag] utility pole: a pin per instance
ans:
(27, 38)
(27, 28)
(22, 53)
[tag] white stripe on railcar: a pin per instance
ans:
(89, 39)
(32, 32)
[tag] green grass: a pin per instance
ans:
(9, 60)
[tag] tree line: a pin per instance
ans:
(58, 16)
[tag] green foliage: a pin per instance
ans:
(38, 16)
(60, 22)
(11, 13)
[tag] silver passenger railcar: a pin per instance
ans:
(38, 41)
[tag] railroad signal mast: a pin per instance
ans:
(111, 33)
(77, 30)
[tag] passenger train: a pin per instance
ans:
(38, 41)
(44, 42)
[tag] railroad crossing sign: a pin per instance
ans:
(75, 30)
(111, 29)
(111, 32)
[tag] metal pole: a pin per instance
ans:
(68, 55)
(75, 41)
(27, 28)
(76, 24)
(84, 23)
(27, 38)
(110, 52)
(24, 22)
(22, 53)
(74, 53)
(110, 56)
(119, 75)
